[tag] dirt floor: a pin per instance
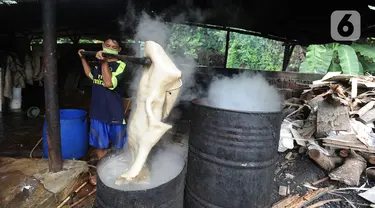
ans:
(19, 134)
(300, 169)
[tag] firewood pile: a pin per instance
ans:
(333, 121)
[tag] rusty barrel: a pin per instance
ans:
(232, 157)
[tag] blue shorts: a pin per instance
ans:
(101, 133)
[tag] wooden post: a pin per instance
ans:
(288, 50)
(50, 86)
(226, 49)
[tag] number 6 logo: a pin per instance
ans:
(345, 25)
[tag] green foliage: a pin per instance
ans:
(348, 60)
(89, 41)
(318, 59)
(253, 52)
(65, 41)
(365, 50)
(190, 40)
(354, 59)
(245, 51)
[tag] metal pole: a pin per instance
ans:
(227, 49)
(50, 86)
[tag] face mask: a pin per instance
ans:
(111, 51)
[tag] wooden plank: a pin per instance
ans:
(349, 138)
(365, 84)
(347, 147)
(368, 116)
(354, 89)
(332, 118)
(330, 75)
(286, 201)
(309, 197)
(365, 108)
(356, 145)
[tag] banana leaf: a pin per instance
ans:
(365, 50)
(334, 67)
(367, 66)
(348, 60)
(361, 71)
(318, 59)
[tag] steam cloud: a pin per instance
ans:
(167, 158)
(165, 162)
(154, 29)
(244, 92)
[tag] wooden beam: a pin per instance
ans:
(227, 49)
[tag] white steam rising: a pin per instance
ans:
(244, 92)
(166, 159)
(154, 29)
(165, 163)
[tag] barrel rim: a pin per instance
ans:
(198, 102)
(113, 153)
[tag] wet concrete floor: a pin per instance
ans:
(19, 134)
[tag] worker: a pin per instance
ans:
(107, 122)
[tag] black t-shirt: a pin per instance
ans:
(106, 103)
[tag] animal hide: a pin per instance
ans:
(157, 92)
(28, 70)
(14, 75)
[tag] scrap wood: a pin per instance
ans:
(286, 201)
(347, 77)
(367, 156)
(349, 147)
(351, 171)
(314, 145)
(330, 75)
(365, 84)
(307, 185)
(344, 153)
(321, 203)
(320, 181)
(349, 138)
(366, 94)
(331, 118)
(71, 195)
(339, 90)
(348, 143)
(368, 116)
(364, 133)
(284, 190)
(365, 108)
(83, 198)
(308, 197)
(298, 137)
(325, 162)
(354, 88)
(309, 127)
(314, 103)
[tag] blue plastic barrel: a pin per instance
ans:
(74, 134)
